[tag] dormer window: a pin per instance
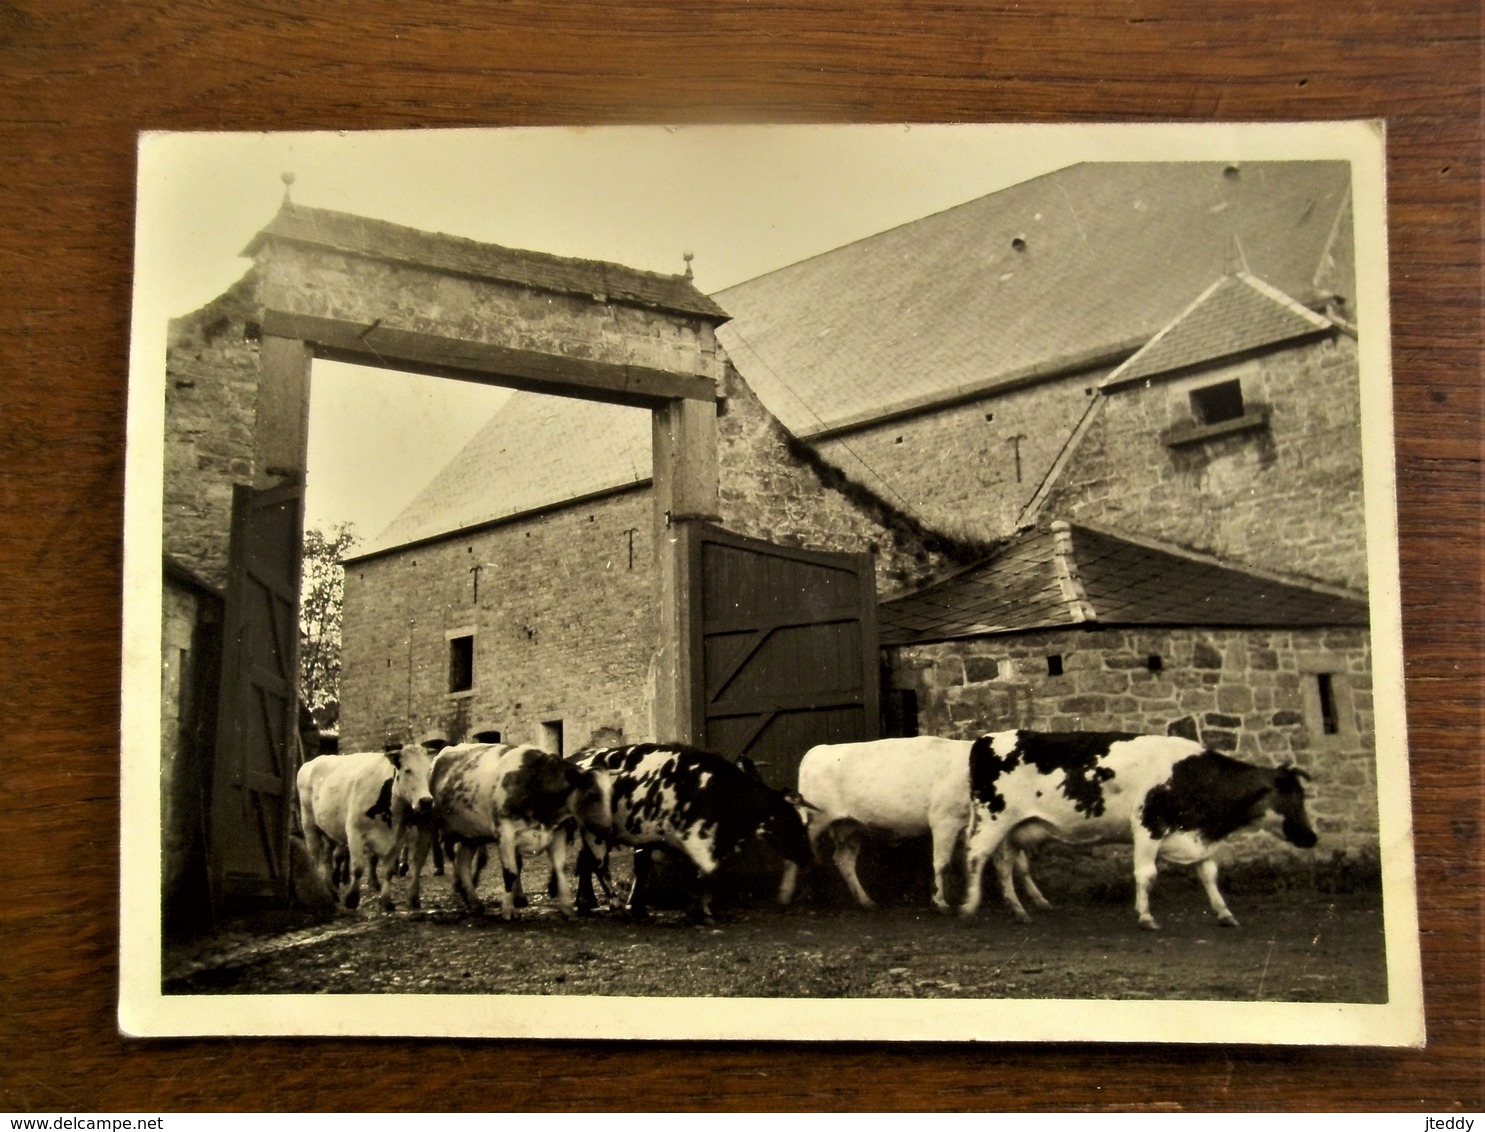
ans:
(1217, 410)
(1213, 404)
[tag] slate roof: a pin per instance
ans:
(1071, 575)
(394, 243)
(1078, 266)
(534, 451)
(1236, 314)
(918, 314)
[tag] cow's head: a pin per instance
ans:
(591, 799)
(411, 764)
(783, 827)
(1286, 814)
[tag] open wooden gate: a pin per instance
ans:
(785, 644)
(252, 786)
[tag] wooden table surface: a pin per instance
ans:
(79, 78)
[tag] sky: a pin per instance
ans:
(743, 200)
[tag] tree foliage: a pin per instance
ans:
(322, 593)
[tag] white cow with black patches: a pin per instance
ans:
(1168, 796)
(691, 801)
(520, 798)
(360, 809)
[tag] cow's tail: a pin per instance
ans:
(980, 746)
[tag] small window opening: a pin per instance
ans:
(551, 736)
(1054, 665)
(1154, 663)
(898, 440)
(461, 663)
(1019, 244)
(1330, 721)
(1216, 403)
(989, 416)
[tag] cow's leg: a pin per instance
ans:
(417, 852)
(1023, 871)
(587, 863)
(360, 858)
(979, 850)
(464, 881)
(641, 881)
(1206, 869)
(557, 855)
(388, 860)
(847, 849)
(1146, 854)
(1005, 869)
(790, 880)
(510, 870)
(945, 839)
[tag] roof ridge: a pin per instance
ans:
(1065, 565)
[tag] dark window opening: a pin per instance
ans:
(1330, 721)
(551, 736)
(1054, 665)
(1216, 403)
(1154, 663)
(461, 664)
(900, 713)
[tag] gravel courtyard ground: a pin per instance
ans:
(1294, 946)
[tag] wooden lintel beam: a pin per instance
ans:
(413, 351)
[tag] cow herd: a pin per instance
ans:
(996, 797)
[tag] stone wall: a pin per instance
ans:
(1251, 693)
(968, 469)
(211, 393)
(563, 629)
(1284, 496)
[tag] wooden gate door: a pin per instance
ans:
(253, 779)
(786, 643)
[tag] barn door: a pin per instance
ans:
(786, 641)
(253, 779)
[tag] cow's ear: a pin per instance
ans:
(749, 767)
(394, 756)
(795, 798)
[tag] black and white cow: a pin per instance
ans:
(1167, 795)
(521, 798)
(360, 809)
(691, 801)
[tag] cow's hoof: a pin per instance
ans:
(414, 902)
(352, 900)
(968, 913)
(1229, 921)
(1023, 917)
(1149, 925)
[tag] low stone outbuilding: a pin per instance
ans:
(1073, 627)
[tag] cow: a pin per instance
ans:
(1168, 795)
(691, 801)
(884, 789)
(360, 809)
(519, 797)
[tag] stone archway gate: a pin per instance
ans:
(351, 289)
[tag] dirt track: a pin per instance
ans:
(1299, 945)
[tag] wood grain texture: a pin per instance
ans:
(79, 78)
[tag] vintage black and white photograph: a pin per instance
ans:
(891, 582)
